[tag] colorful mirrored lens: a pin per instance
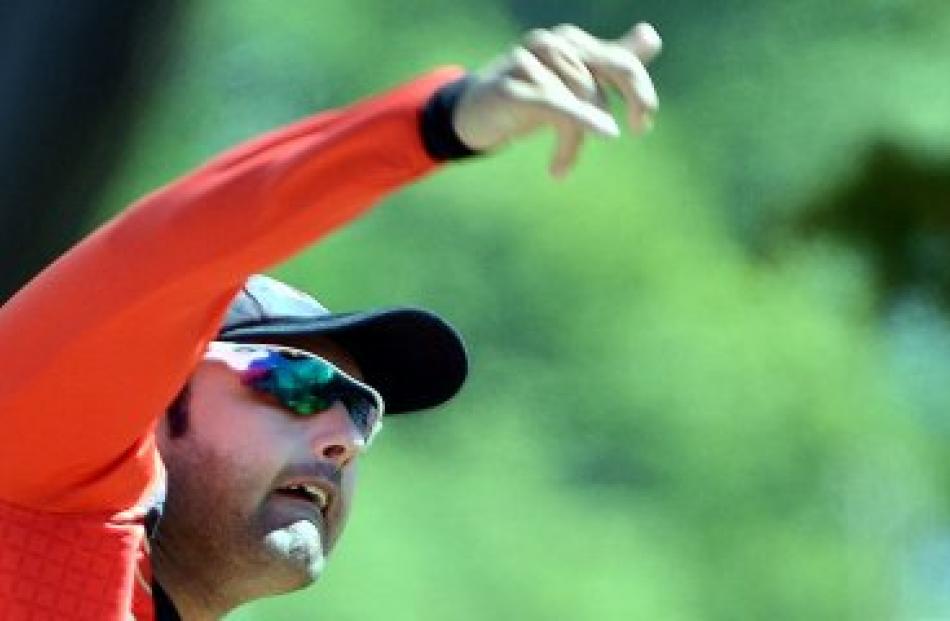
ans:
(302, 384)
(306, 384)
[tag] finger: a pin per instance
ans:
(544, 93)
(561, 58)
(644, 41)
(624, 71)
(619, 67)
(569, 141)
(554, 110)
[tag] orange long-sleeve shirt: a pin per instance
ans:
(97, 345)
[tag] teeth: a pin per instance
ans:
(316, 494)
(319, 495)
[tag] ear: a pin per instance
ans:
(176, 421)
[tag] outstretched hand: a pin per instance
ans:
(556, 78)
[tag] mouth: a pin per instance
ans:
(317, 493)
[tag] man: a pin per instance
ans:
(244, 486)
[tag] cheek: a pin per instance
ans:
(227, 416)
(218, 473)
(240, 437)
(248, 442)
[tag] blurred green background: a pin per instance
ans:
(709, 369)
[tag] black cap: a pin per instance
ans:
(413, 357)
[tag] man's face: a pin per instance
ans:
(235, 478)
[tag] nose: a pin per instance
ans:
(335, 436)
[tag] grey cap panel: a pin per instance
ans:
(263, 297)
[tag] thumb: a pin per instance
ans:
(644, 41)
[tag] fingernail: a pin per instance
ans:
(651, 100)
(606, 124)
(644, 41)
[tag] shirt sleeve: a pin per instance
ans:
(97, 345)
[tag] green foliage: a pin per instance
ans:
(661, 423)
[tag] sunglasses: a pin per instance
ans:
(301, 382)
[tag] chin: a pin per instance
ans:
(298, 549)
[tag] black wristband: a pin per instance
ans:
(435, 123)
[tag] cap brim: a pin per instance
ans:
(413, 357)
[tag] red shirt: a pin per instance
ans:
(96, 346)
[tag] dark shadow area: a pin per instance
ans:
(74, 75)
(897, 212)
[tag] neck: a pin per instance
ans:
(196, 595)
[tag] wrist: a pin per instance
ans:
(439, 136)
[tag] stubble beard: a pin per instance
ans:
(247, 552)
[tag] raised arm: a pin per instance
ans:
(97, 345)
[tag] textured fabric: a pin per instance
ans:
(61, 566)
(77, 403)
